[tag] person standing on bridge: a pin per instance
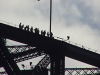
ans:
(36, 30)
(31, 29)
(51, 35)
(23, 66)
(26, 28)
(41, 32)
(68, 37)
(44, 32)
(21, 26)
(48, 35)
(31, 65)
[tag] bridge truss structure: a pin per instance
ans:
(37, 45)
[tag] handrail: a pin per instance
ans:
(76, 44)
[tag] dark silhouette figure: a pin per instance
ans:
(48, 35)
(26, 28)
(44, 33)
(51, 35)
(83, 47)
(36, 30)
(31, 30)
(68, 37)
(31, 65)
(23, 66)
(41, 32)
(21, 26)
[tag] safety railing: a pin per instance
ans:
(76, 44)
(9, 23)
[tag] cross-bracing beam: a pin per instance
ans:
(24, 52)
(8, 61)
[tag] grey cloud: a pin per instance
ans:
(90, 15)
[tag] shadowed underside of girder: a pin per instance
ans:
(49, 45)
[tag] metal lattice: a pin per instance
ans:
(82, 71)
(28, 56)
(24, 52)
(19, 48)
(76, 71)
(44, 62)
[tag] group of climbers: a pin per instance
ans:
(25, 28)
(24, 67)
(36, 30)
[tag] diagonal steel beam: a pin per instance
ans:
(8, 58)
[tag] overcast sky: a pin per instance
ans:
(78, 19)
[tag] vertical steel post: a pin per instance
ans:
(57, 65)
(50, 15)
